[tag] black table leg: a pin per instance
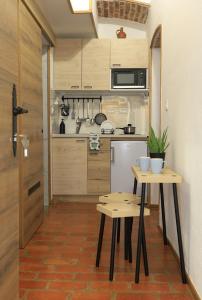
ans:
(144, 250)
(179, 235)
(140, 235)
(118, 230)
(99, 246)
(130, 226)
(163, 214)
(135, 186)
(113, 245)
(126, 239)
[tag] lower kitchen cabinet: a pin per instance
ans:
(99, 169)
(69, 166)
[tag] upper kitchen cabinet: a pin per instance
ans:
(95, 64)
(129, 53)
(67, 64)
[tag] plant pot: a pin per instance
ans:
(158, 155)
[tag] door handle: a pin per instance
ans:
(18, 110)
(112, 154)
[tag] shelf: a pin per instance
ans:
(118, 92)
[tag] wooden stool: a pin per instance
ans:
(116, 211)
(120, 197)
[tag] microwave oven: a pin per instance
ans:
(129, 78)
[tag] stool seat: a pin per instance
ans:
(119, 198)
(121, 210)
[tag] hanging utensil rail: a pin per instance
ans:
(81, 98)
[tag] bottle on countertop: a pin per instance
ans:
(62, 127)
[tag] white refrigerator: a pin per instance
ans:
(124, 155)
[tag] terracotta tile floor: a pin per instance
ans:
(59, 262)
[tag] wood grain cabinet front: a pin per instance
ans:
(67, 64)
(69, 166)
(99, 169)
(129, 53)
(95, 64)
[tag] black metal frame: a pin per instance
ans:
(81, 98)
(163, 213)
(179, 234)
(141, 231)
(143, 239)
(115, 226)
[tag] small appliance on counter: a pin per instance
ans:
(94, 142)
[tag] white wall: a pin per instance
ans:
(155, 108)
(181, 81)
(107, 28)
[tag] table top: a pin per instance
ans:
(167, 176)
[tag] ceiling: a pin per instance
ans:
(63, 22)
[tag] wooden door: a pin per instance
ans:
(129, 53)
(96, 64)
(9, 198)
(31, 124)
(67, 64)
(69, 166)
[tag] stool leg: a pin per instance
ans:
(135, 186)
(118, 230)
(129, 240)
(163, 214)
(179, 235)
(113, 245)
(144, 250)
(126, 239)
(140, 230)
(99, 246)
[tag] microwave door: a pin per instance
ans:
(128, 79)
(125, 79)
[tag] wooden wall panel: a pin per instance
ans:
(9, 200)
(31, 124)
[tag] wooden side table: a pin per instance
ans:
(167, 176)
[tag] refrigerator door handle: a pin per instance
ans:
(112, 154)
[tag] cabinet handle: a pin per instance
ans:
(80, 141)
(88, 87)
(116, 65)
(75, 87)
(112, 154)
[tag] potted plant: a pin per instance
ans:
(157, 145)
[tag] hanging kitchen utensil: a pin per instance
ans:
(92, 120)
(64, 108)
(78, 106)
(88, 118)
(100, 117)
(73, 111)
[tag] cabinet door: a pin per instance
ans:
(129, 53)
(96, 64)
(99, 169)
(69, 166)
(67, 64)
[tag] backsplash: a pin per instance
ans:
(121, 110)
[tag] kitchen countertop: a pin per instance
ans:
(110, 136)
